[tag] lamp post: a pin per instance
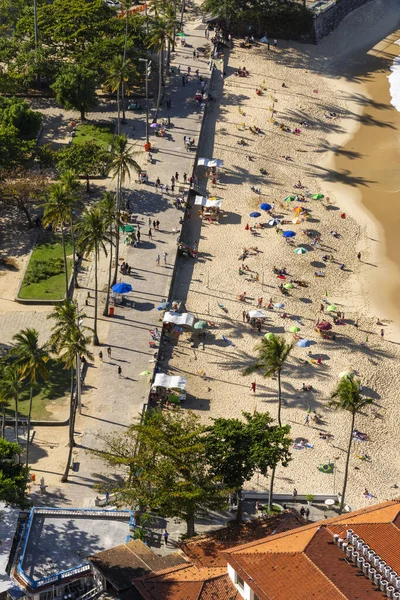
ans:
(148, 70)
(35, 22)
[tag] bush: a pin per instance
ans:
(43, 269)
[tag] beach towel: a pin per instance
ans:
(227, 341)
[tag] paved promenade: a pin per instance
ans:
(112, 403)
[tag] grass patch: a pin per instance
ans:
(48, 248)
(56, 389)
(100, 133)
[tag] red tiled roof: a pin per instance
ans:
(305, 564)
(203, 585)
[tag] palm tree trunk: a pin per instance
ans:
(168, 54)
(279, 398)
(118, 112)
(271, 489)
(95, 336)
(78, 402)
(74, 277)
(239, 510)
(3, 421)
(160, 78)
(346, 470)
(107, 304)
(190, 526)
(124, 60)
(117, 212)
(16, 419)
(71, 441)
(65, 260)
(28, 427)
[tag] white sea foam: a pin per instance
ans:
(394, 81)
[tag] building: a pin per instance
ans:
(51, 549)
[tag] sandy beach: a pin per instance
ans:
(314, 87)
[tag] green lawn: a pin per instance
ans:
(55, 391)
(101, 133)
(48, 248)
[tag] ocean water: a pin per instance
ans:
(394, 81)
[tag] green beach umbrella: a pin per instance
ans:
(288, 286)
(290, 198)
(294, 329)
(145, 373)
(318, 196)
(181, 34)
(331, 308)
(127, 228)
(300, 251)
(201, 325)
(269, 336)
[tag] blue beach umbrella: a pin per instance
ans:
(122, 288)
(265, 206)
(303, 343)
(255, 215)
(288, 234)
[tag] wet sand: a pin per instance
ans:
(372, 157)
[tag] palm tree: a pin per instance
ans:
(157, 38)
(74, 189)
(272, 355)
(31, 359)
(111, 220)
(11, 387)
(57, 212)
(122, 163)
(119, 72)
(347, 396)
(92, 237)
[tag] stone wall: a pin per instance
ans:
(327, 21)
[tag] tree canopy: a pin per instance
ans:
(14, 476)
(75, 88)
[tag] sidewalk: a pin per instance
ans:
(111, 403)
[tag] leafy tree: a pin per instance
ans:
(16, 112)
(122, 163)
(236, 449)
(75, 88)
(14, 477)
(347, 396)
(272, 355)
(92, 237)
(163, 461)
(83, 159)
(14, 151)
(70, 342)
(31, 359)
(22, 189)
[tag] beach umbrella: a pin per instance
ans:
(255, 215)
(300, 251)
(273, 222)
(269, 336)
(181, 34)
(164, 306)
(214, 198)
(318, 196)
(303, 343)
(281, 277)
(349, 374)
(122, 288)
(127, 228)
(324, 326)
(294, 329)
(332, 308)
(265, 206)
(288, 286)
(145, 373)
(298, 209)
(296, 221)
(201, 325)
(288, 234)
(154, 125)
(290, 198)
(279, 305)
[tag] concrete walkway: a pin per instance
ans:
(112, 403)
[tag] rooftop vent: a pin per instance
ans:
(389, 591)
(349, 533)
(371, 573)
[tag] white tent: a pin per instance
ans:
(185, 319)
(203, 201)
(257, 314)
(169, 381)
(210, 162)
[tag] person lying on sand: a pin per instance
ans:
(330, 115)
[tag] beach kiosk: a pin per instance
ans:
(168, 389)
(210, 208)
(211, 166)
(181, 319)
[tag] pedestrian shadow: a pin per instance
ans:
(144, 306)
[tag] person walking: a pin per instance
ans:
(307, 421)
(359, 256)
(183, 81)
(158, 183)
(109, 351)
(158, 260)
(138, 235)
(244, 316)
(172, 180)
(150, 234)
(189, 69)
(307, 513)
(158, 225)
(275, 43)
(154, 224)
(172, 187)
(164, 255)
(253, 387)
(194, 54)
(101, 356)
(166, 536)
(294, 495)
(382, 333)
(184, 177)
(177, 176)
(119, 371)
